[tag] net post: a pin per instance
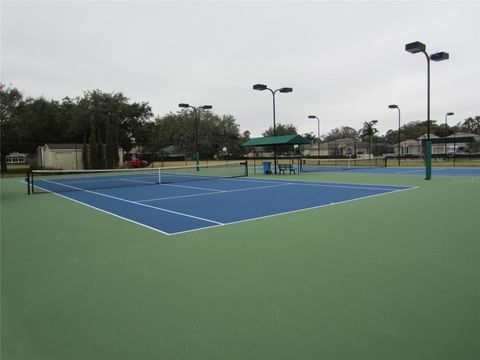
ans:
(246, 167)
(159, 177)
(28, 182)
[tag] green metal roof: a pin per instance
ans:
(277, 140)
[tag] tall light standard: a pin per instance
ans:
(195, 111)
(262, 87)
(397, 107)
(318, 134)
(446, 115)
(414, 48)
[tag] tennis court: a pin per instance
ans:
(193, 198)
(394, 275)
(379, 166)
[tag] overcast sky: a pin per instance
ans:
(346, 61)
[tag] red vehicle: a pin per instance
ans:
(136, 163)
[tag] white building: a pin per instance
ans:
(64, 156)
(16, 158)
(409, 147)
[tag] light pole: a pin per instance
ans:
(446, 115)
(397, 107)
(262, 87)
(318, 135)
(195, 111)
(414, 48)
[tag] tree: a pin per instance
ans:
(368, 131)
(470, 125)
(109, 146)
(281, 129)
(100, 151)
(10, 100)
(344, 132)
(115, 146)
(219, 132)
(127, 119)
(214, 133)
(310, 137)
(175, 129)
(93, 161)
(443, 130)
(85, 155)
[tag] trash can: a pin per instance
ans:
(267, 167)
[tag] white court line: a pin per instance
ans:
(104, 211)
(136, 203)
(366, 187)
(303, 182)
(214, 193)
(264, 187)
(94, 180)
(296, 211)
(409, 171)
(243, 179)
(193, 187)
(217, 224)
(139, 181)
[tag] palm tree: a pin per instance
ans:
(368, 131)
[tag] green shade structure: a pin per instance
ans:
(277, 140)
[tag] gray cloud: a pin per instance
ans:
(345, 60)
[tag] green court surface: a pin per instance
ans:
(386, 277)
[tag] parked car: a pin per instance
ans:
(136, 163)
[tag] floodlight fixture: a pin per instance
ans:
(206, 107)
(440, 56)
(415, 47)
(183, 105)
(450, 113)
(260, 87)
(393, 106)
(286, 90)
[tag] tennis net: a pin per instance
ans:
(75, 180)
(315, 165)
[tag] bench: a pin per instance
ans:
(283, 167)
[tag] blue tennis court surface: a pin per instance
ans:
(446, 171)
(182, 207)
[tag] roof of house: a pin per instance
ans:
(16, 154)
(65, 146)
(432, 136)
(409, 142)
(277, 140)
(463, 134)
(72, 146)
